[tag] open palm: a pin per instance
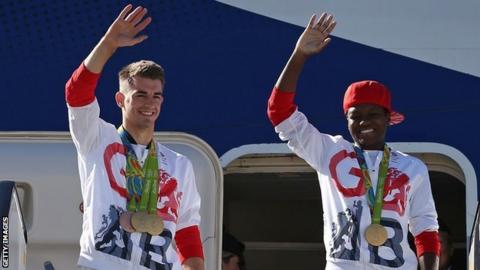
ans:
(124, 30)
(315, 37)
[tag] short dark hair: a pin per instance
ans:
(143, 68)
(232, 245)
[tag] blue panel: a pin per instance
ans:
(6, 189)
(221, 64)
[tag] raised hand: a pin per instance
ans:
(122, 33)
(315, 37)
(124, 30)
(312, 41)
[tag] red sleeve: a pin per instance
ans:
(80, 88)
(280, 106)
(189, 244)
(427, 242)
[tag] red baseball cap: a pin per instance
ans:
(371, 92)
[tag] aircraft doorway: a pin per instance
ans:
(278, 216)
(449, 195)
(272, 203)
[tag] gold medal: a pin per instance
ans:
(376, 234)
(142, 181)
(149, 223)
(155, 224)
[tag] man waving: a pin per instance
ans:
(138, 195)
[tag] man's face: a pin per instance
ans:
(232, 264)
(141, 103)
(367, 124)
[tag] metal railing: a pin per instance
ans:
(14, 234)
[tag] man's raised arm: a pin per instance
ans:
(80, 88)
(122, 33)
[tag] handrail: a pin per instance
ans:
(8, 199)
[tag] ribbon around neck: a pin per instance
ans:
(375, 199)
(142, 182)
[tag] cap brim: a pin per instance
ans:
(396, 118)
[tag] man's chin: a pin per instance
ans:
(145, 126)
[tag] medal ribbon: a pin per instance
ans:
(375, 200)
(142, 183)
